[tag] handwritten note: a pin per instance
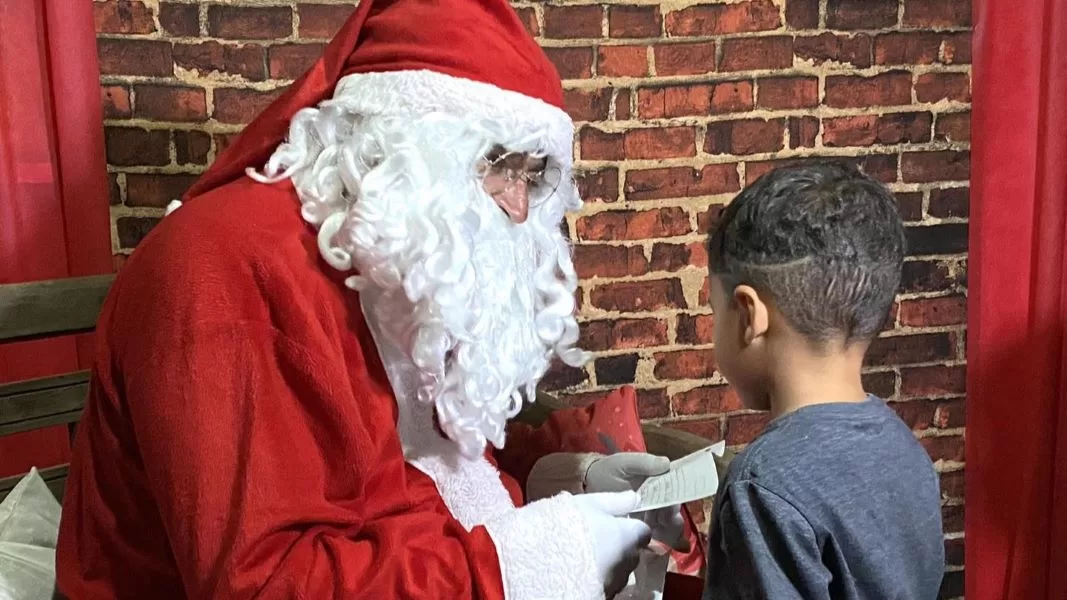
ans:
(692, 477)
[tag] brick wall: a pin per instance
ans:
(680, 104)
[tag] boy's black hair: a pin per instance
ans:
(823, 240)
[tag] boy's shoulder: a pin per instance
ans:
(820, 449)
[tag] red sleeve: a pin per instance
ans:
(612, 419)
(278, 476)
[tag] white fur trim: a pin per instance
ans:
(418, 93)
(559, 472)
(552, 531)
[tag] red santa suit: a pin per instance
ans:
(242, 437)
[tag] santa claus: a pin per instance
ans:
(300, 370)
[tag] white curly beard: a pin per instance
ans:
(478, 304)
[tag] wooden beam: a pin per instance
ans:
(51, 308)
(37, 403)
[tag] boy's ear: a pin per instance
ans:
(753, 311)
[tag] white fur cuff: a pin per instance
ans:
(559, 472)
(546, 552)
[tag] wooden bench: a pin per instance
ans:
(47, 309)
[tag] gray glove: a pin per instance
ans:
(627, 471)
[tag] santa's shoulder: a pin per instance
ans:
(240, 251)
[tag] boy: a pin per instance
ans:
(835, 499)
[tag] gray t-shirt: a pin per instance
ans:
(832, 501)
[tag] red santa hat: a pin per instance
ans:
(469, 58)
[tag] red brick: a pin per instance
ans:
(601, 185)
(131, 230)
(882, 167)
(732, 96)
(573, 22)
(749, 136)
(223, 141)
(290, 61)
(634, 22)
(951, 585)
(916, 414)
(912, 349)
(920, 167)
(746, 54)
(948, 203)
(910, 48)
(880, 383)
(658, 143)
(653, 404)
(672, 257)
(620, 334)
(245, 60)
(887, 89)
(682, 182)
(706, 400)
(952, 518)
(695, 329)
(937, 13)
(684, 364)
(953, 484)
(597, 144)
(803, 131)
(587, 105)
(615, 370)
(933, 87)
(601, 260)
(192, 147)
(572, 63)
(240, 106)
(638, 296)
(633, 225)
(953, 127)
(950, 414)
(155, 190)
(910, 206)
(692, 58)
(743, 428)
(788, 92)
(170, 103)
(131, 146)
(180, 20)
(674, 101)
(623, 61)
(827, 47)
(116, 101)
(114, 192)
(947, 448)
(135, 57)
(718, 19)
(709, 429)
(561, 376)
(622, 105)
(956, 49)
(944, 238)
(861, 14)
(933, 312)
(321, 21)
(705, 292)
(954, 552)
(528, 16)
(250, 23)
(865, 130)
(122, 16)
(802, 14)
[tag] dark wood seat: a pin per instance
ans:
(56, 308)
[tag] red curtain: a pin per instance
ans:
(1016, 474)
(54, 218)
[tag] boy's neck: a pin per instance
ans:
(803, 377)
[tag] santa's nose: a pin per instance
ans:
(514, 200)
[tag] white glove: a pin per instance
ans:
(627, 471)
(617, 539)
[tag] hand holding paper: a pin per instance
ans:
(689, 478)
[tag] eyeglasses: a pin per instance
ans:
(502, 171)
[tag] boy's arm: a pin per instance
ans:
(769, 549)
